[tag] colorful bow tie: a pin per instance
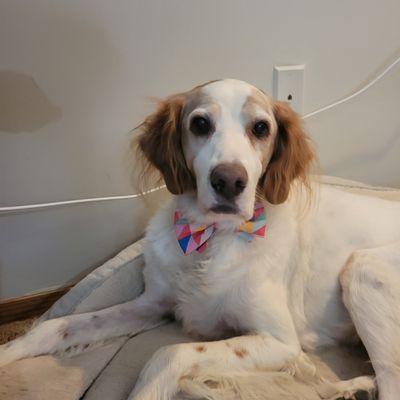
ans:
(195, 237)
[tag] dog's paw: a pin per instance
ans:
(46, 338)
(360, 388)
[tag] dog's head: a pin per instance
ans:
(229, 143)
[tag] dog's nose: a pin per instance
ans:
(228, 179)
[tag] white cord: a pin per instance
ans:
(133, 196)
(79, 201)
(363, 89)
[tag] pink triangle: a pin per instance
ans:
(197, 237)
(192, 245)
(260, 232)
(185, 232)
(178, 230)
(257, 213)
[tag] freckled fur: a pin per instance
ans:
(240, 352)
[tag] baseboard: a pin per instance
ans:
(31, 305)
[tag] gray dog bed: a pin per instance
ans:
(110, 371)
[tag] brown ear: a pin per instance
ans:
(160, 141)
(292, 156)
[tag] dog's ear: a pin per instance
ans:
(160, 141)
(291, 158)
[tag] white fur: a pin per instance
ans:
(282, 293)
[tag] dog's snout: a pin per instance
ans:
(228, 180)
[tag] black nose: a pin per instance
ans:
(228, 180)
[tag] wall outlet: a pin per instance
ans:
(289, 85)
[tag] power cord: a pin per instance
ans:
(358, 92)
(78, 201)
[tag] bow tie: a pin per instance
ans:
(195, 237)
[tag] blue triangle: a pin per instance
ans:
(184, 242)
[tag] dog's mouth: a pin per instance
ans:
(224, 209)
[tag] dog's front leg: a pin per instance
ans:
(164, 375)
(61, 333)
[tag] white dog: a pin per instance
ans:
(249, 252)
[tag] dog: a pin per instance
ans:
(257, 261)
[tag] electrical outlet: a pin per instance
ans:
(289, 85)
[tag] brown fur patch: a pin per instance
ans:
(159, 145)
(160, 141)
(192, 372)
(292, 157)
(195, 368)
(241, 352)
(254, 101)
(65, 335)
(200, 348)
(205, 84)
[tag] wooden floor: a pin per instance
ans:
(18, 314)
(31, 305)
(11, 330)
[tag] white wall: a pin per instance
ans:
(74, 76)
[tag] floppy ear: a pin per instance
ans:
(292, 156)
(160, 142)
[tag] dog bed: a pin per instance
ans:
(109, 371)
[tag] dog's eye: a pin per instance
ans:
(200, 126)
(260, 129)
